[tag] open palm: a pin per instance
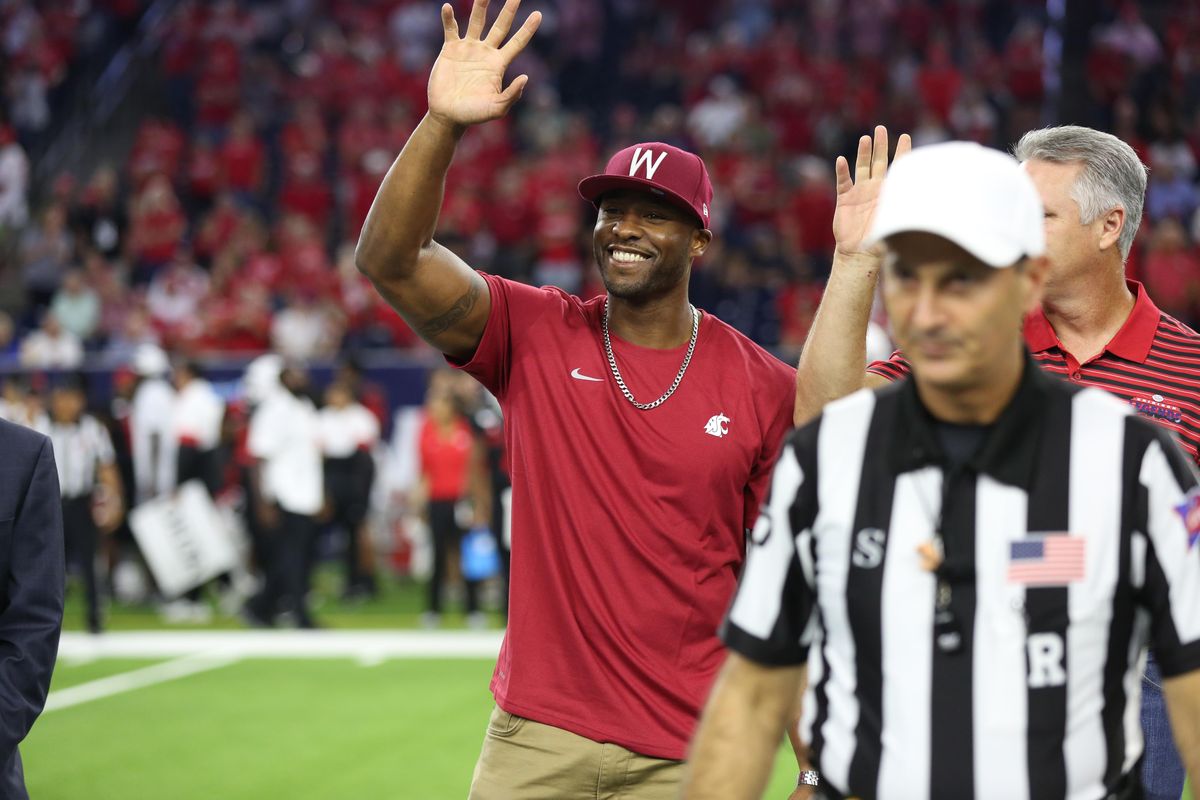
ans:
(858, 196)
(466, 86)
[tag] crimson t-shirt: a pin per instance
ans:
(628, 526)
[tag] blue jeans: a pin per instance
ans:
(1162, 769)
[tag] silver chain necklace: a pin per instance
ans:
(612, 361)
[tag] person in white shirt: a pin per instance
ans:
(288, 494)
(51, 346)
(349, 433)
(14, 181)
(151, 425)
(199, 413)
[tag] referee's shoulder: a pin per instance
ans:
(857, 407)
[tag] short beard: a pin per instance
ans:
(659, 282)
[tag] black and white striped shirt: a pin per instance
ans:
(78, 449)
(1042, 699)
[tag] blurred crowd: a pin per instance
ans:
(230, 223)
(298, 475)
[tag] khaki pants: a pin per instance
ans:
(526, 760)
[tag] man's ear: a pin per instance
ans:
(1112, 223)
(700, 241)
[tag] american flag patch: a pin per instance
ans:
(1053, 559)
(1189, 510)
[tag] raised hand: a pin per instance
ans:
(857, 196)
(466, 86)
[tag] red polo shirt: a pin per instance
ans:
(1153, 362)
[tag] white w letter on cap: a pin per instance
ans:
(640, 158)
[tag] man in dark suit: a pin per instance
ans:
(31, 590)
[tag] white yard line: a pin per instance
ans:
(362, 645)
(193, 652)
(137, 679)
(196, 651)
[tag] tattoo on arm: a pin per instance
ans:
(453, 315)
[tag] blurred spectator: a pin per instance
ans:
(243, 162)
(370, 394)
(129, 334)
(76, 306)
(715, 119)
(305, 328)
(447, 460)
(44, 254)
(152, 425)
(19, 403)
(972, 117)
(98, 219)
(83, 453)
(9, 345)
(929, 130)
(198, 414)
(157, 226)
(51, 346)
(349, 433)
(1171, 270)
(176, 292)
(805, 223)
(939, 82)
(1170, 194)
(203, 178)
(284, 437)
(217, 227)
(29, 106)
(157, 150)
(1129, 34)
(306, 191)
(14, 183)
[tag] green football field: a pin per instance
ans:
(271, 728)
(166, 711)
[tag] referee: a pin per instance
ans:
(83, 453)
(1094, 328)
(971, 561)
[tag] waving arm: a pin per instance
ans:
(833, 360)
(443, 299)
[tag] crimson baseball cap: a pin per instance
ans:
(660, 169)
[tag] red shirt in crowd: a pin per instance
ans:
(445, 456)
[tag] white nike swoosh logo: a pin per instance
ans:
(579, 376)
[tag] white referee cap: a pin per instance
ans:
(978, 198)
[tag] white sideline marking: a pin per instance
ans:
(367, 646)
(198, 651)
(137, 679)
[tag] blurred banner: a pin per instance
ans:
(184, 539)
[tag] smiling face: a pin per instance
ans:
(644, 245)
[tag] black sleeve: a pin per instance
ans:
(31, 620)
(775, 600)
